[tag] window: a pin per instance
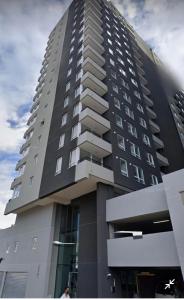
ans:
(130, 62)
(119, 121)
(125, 84)
(117, 35)
(134, 149)
(78, 90)
(72, 49)
(16, 246)
(61, 140)
(81, 38)
(126, 97)
(34, 243)
(146, 140)
(69, 72)
(109, 41)
(137, 94)
(74, 157)
(70, 60)
(58, 165)
(131, 71)
(143, 123)
(66, 101)
(72, 40)
(80, 61)
(121, 141)
(138, 174)
(127, 52)
(80, 49)
(126, 45)
(123, 167)
(21, 169)
(77, 109)
(16, 191)
(154, 180)
(115, 88)
(76, 130)
(121, 61)
(129, 112)
(79, 75)
(111, 51)
(112, 62)
(64, 119)
(113, 74)
(118, 42)
(119, 51)
(108, 32)
(134, 82)
(117, 103)
(73, 31)
(132, 130)
(150, 159)
(31, 180)
(67, 86)
(140, 108)
(122, 72)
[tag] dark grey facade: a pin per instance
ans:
(104, 121)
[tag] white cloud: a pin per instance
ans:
(162, 23)
(24, 29)
(6, 221)
(6, 178)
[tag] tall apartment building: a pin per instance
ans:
(104, 122)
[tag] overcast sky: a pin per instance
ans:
(24, 29)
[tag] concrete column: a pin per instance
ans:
(105, 282)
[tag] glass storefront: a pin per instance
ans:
(67, 265)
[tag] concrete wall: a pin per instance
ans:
(152, 250)
(145, 201)
(38, 222)
(174, 186)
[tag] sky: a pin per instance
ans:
(24, 29)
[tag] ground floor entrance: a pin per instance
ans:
(151, 283)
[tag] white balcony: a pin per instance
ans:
(142, 79)
(93, 101)
(90, 81)
(96, 3)
(16, 181)
(93, 144)
(86, 168)
(87, 175)
(158, 142)
(91, 13)
(138, 61)
(94, 121)
(146, 91)
(148, 101)
(151, 113)
(140, 69)
(154, 127)
(90, 21)
(95, 6)
(152, 250)
(162, 160)
(91, 9)
(90, 66)
(94, 34)
(88, 40)
(91, 53)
